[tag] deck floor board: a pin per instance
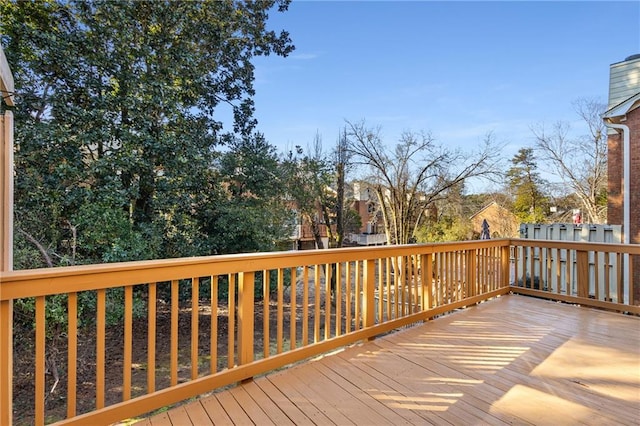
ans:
(512, 360)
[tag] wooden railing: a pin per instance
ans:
(121, 346)
(592, 274)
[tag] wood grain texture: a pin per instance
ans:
(512, 360)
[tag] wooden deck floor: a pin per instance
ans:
(513, 360)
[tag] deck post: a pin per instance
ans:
(6, 362)
(6, 241)
(246, 283)
(582, 276)
(426, 267)
(369, 288)
(6, 264)
(471, 279)
(505, 266)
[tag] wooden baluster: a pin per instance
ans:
(128, 343)
(280, 314)
(213, 334)
(266, 294)
(327, 301)
(175, 291)
(195, 313)
(72, 353)
(305, 306)
(41, 358)
(231, 321)
(151, 338)
(100, 347)
(294, 315)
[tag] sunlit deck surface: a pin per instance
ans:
(512, 360)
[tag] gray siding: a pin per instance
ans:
(624, 81)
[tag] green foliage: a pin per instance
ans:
(56, 312)
(447, 228)
(119, 136)
(118, 126)
(250, 211)
(530, 204)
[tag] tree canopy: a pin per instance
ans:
(119, 122)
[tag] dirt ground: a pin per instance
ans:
(56, 353)
(56, 364)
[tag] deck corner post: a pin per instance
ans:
(246, 299)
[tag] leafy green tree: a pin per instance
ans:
(118, 121)
(530, 204)
(251, 211)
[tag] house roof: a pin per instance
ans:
(486, 207)
(623, 107)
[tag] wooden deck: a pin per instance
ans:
(513, 360)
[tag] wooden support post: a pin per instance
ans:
(6, 191)
(505, 266)
(426, 269)
(369, 288)
(6, 243)
(582, 274)
(471, 279)
(245, 317)
(6, 362)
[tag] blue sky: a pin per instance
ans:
(455, 69)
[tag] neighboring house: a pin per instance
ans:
(623, 119)
(502, 223)
(366, 204)
(302, 237)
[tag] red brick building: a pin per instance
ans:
(623, 119)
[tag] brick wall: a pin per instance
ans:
(615, 186)
(633, 121)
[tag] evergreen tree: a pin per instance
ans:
(530, 204)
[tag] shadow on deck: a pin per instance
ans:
(511, 360)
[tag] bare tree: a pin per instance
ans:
(415, 174)
(341, 161)
(580, 162)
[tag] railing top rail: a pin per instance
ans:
(48, 281)
(578, 245)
